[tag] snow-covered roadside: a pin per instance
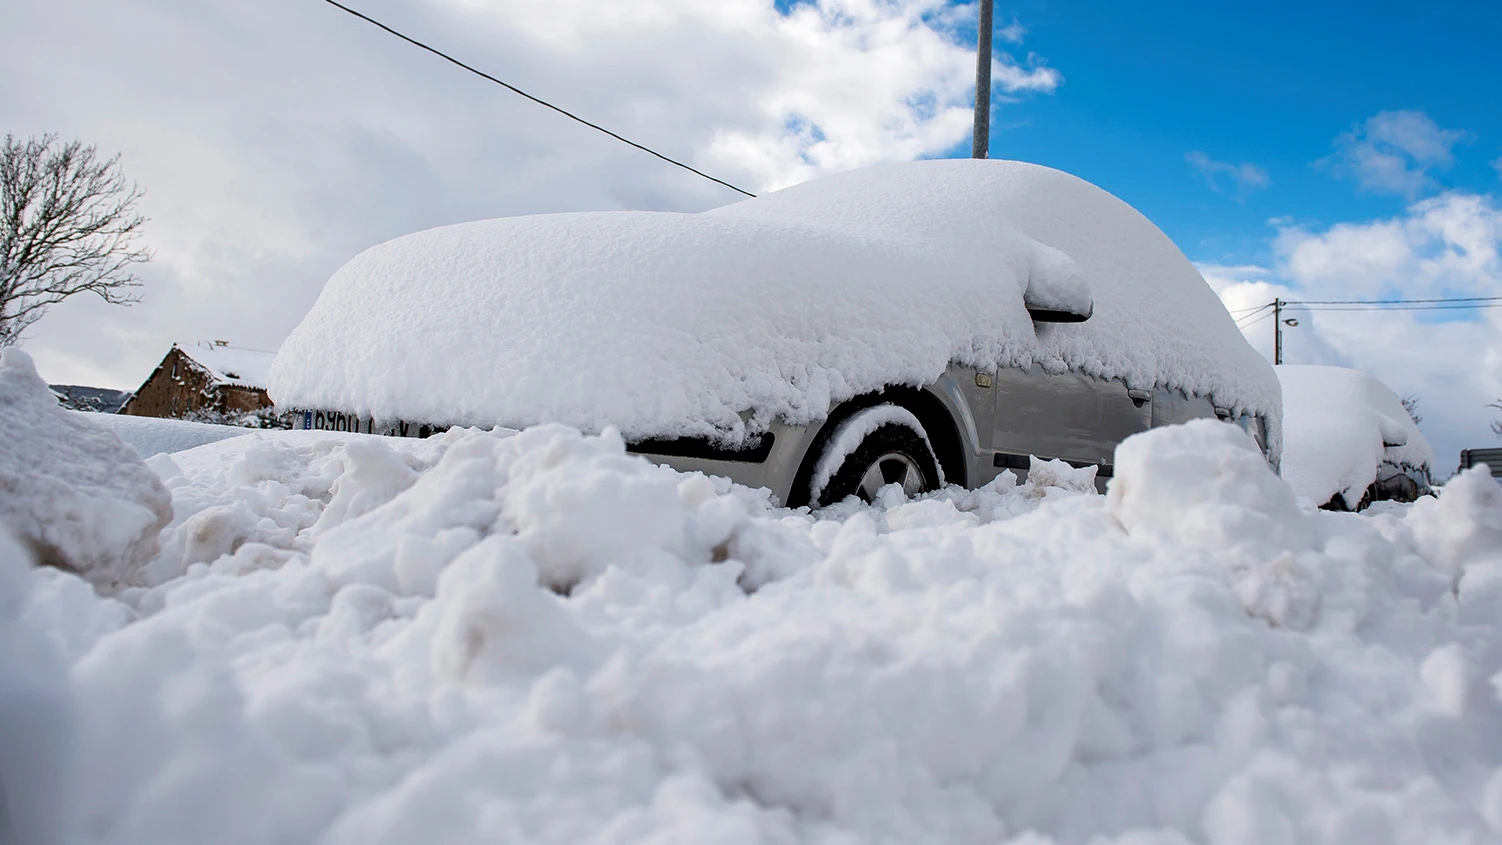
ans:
(154, 435)
(540, 638)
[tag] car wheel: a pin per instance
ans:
(896, 452)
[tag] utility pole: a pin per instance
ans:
(980, 139)
(1277, 331)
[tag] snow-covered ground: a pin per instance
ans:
(155, 435)
(536, 637)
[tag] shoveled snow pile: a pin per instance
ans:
(69, 489)
(1335, 426)
(540, 638)
(669, 324)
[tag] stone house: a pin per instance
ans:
(206, 379)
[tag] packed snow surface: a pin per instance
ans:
(69, 488)
(1335, 424)
(231, 365)
(155, 435)
(667, 324)
(540, 638)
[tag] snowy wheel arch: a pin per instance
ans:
(853, 431)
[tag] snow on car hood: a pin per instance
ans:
(666, 324)
(1335, 426)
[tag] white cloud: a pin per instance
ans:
(1012, 33)
(1031, 76)
(275, 140)
(1244, 178)
(1393, 152)
(1443, 246)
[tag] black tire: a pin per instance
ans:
(884, 451)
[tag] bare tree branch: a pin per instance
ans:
(67, 226)
(1411, 405)
(1497, 423)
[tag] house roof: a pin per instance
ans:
(231, 365)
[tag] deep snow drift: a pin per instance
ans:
(69, 488)
(1336, 422)
(540, 638)
(672, 324)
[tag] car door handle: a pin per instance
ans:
(1139, 396)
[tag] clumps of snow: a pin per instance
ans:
(1339, 426)
(847, 438)
(1043, 476)
(538, 637)
(673, 324)
(77, 496)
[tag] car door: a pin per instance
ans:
(1068, 416)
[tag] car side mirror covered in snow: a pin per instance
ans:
(1057, 291)
(1393, 432)
(1055, 315)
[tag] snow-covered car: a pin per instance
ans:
(1348, 440)
(919, 323)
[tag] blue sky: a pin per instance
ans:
(1271, 84)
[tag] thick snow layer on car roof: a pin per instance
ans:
(230, 364)
(1335, 423)
(672, 324)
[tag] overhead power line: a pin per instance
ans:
(1336, 308)
(539, 101)
(1446, 299)
(1253, 313)
(1254, 322)
(1278, 306)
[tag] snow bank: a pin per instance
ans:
(540, 638)
(1336, 422)
(69, 488)
(672, 324)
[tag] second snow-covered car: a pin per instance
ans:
(1349, 440)
(917, 324)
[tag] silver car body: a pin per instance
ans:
(998, 420)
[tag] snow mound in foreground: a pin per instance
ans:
(38, 742)
(540, 638)
(1336, 423)
(665, 324)
(69, 488)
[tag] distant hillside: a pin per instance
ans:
(99, 399)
